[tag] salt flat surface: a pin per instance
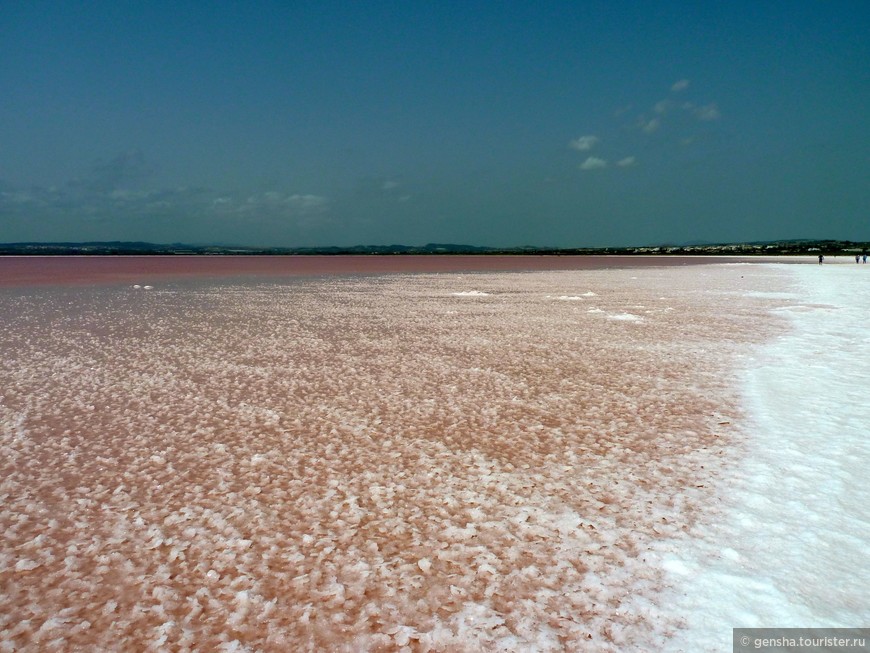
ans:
(791, 547)
(422, 462)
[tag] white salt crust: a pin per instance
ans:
(789, 546)
(422, 462)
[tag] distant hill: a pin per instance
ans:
(120, 248)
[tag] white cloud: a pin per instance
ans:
(650, 126)
(125, 195)
(307, 201)
(277, 198)
(593, 163)
(18, 197)
(107, 199)
(269, 197)
(662, 106)
(709, 112)
(680, 85)
(269, 204)
(584, 143)
(627, 162)
(706, 113)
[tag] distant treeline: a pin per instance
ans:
(120, 248)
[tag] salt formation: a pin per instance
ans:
(790, 544)
(381, 463)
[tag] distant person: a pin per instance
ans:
(821, 259)
(857, 258)
(864, 258)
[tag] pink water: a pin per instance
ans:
(42, 270)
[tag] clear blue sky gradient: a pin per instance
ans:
(491, 123)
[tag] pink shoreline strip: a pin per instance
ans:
(28, 271)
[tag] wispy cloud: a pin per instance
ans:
(650, 126)
(274, 205)
(593, 163)
(663, 106)
(671, 120)
(125, 169)
(708, 112)
(103, 197)
(704, 113)
(584, 143)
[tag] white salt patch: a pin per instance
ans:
(625, 317)
(793, 548)
(763, 294)
(676, 566)
(471, 293)
(26, 565)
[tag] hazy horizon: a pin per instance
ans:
(565, 125)
(422, 245)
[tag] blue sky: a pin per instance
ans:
(491, 123)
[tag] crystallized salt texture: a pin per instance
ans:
(355, 463)
(26, 565)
